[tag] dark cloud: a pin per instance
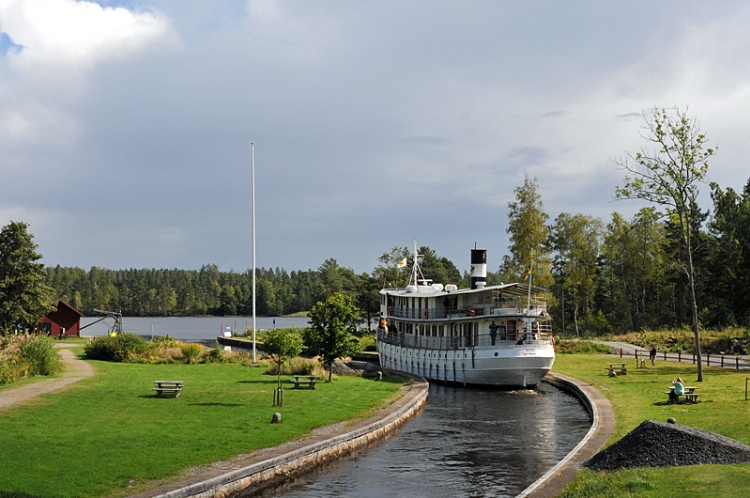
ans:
(374, 124)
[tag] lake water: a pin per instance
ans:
(189, 329)
(466, 443)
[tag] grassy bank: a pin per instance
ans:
(109, 436)
(639, 396)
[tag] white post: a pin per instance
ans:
(252, 155)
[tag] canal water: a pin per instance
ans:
(466, 443)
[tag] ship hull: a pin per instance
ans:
(507, 365)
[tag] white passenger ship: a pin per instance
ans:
(444, 333)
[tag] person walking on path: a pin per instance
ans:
(652, 355)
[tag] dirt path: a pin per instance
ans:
(75, 370)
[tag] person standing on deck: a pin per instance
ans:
(493, 331)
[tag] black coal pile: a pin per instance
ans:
(656, 444)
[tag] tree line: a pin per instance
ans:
(673, 264)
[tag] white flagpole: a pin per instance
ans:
(252, 155)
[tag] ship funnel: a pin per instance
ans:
(478, 268)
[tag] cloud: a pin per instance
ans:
(50, 48)
(70, 35)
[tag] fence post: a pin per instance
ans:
(636, 355)
(737, 362)
(693, 358)
(620, 352)
(665, 356)
(708, 360)
(722, 361)
(679, 356)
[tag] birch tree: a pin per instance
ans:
(667, 172)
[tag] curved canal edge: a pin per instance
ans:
(277, 465)
(602, 427)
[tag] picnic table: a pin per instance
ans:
(168, 387)
(690, 395)
(304, 381)
(611, 369)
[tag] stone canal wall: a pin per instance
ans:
(602, 427)
(243, 478)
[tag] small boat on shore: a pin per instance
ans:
(498, 335)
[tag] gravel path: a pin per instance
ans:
(75, 370)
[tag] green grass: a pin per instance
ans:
(110, 436)
(638, 396)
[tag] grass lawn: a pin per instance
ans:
(638, 396)
(110, 436)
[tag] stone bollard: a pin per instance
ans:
(276, 418)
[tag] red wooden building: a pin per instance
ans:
(65, 317)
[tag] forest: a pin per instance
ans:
(674, 264)
(622, 275)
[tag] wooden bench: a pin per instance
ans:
(690, 395)
(611, 369)
(304, 382)
(168, 387)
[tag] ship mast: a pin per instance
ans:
(416, 275)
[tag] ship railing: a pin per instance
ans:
(543, 336)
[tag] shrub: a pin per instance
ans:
(296, 366)
(115, 348)
(367, 343)
(38, 353)
(215, 355)
(191, 351)
(26, 356)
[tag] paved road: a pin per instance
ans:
(730, 361)
(75, 370)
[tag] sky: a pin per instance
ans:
(126, 126)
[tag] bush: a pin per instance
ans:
(26, 356)
(191, 351)
(296, 366)
(367, 343)
(38, 353)
(215, 355)
(117, 348)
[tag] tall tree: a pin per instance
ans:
(332, 326)
(730, 228)
(576, 240)
(667, 173)
(528, 236)
(25, 296)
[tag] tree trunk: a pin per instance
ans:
(575, 311)
(694, 306)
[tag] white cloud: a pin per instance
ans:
(75, 35)
(62, 41)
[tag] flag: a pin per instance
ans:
(420, 259)
(527, 276)
(402, 263)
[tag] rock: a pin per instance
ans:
(276, 419)
(656, 444)
(671, 420)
